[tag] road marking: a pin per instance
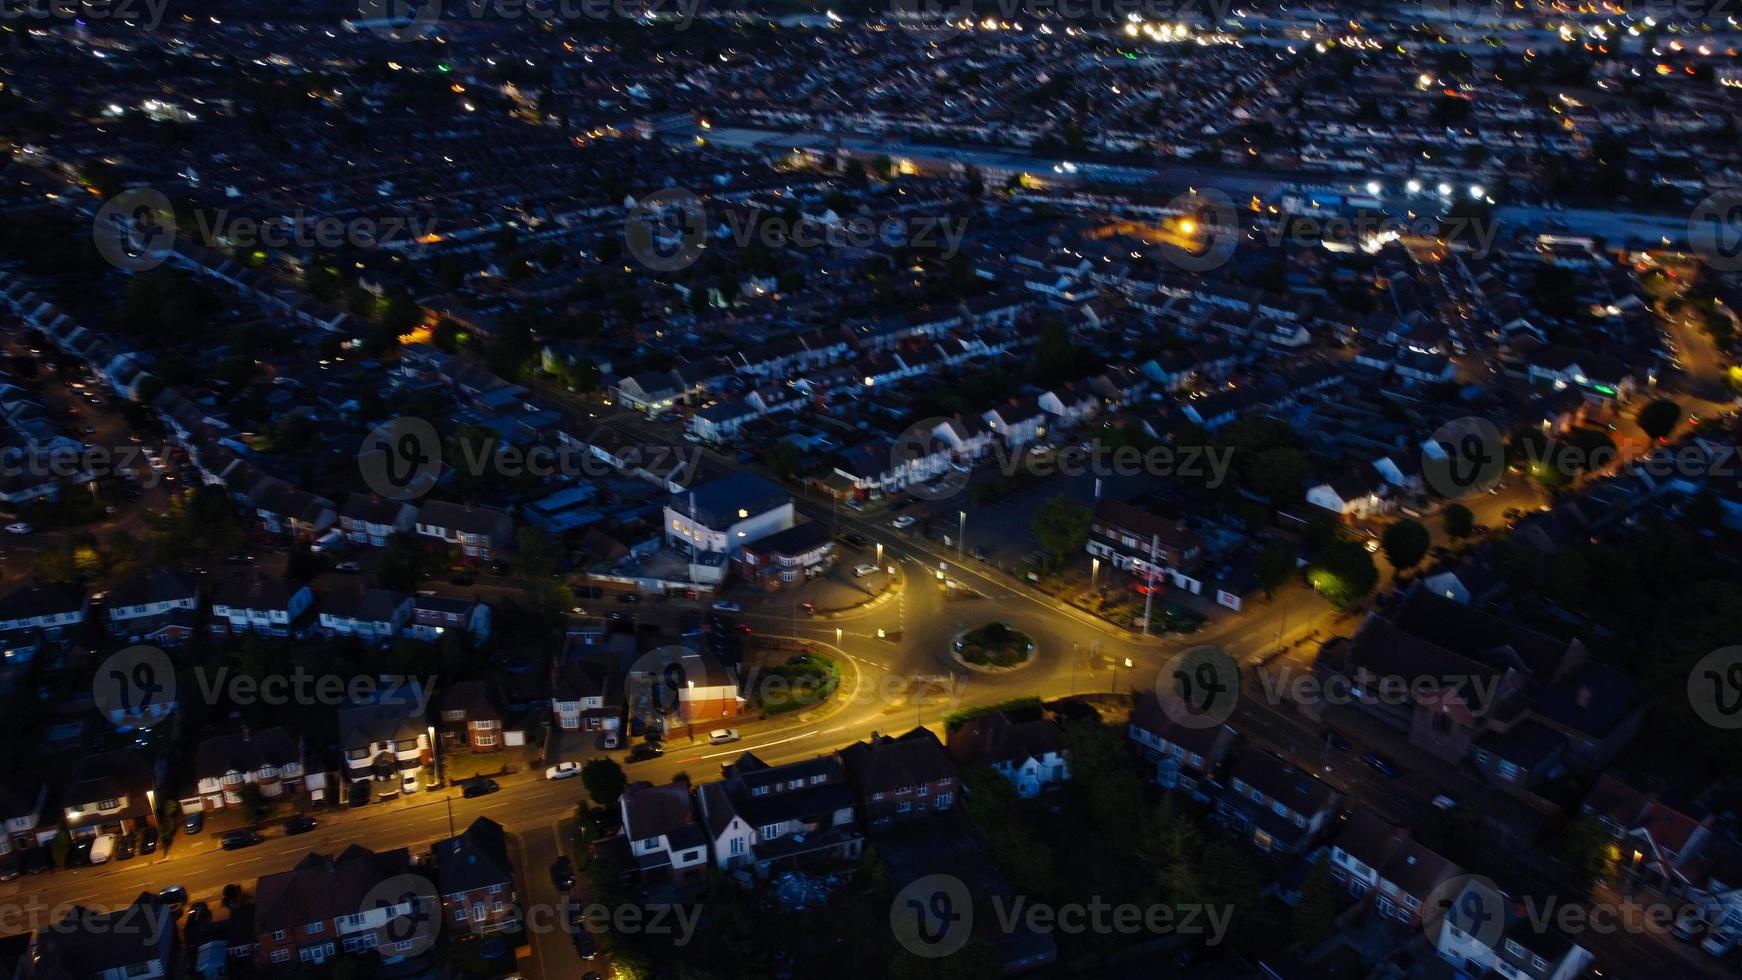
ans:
(764, 745)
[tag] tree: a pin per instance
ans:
(1344, 573)
(253, 803)
(1659, 418)
(1585, 849)
(1276, 565)
(1061, 525)
(402, 563)
(1405, 544)
(1458, 521)
(604, 780)
(1315, 914)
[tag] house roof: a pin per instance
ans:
(653, 811)
(324, 886)
(477, 858)
(884, 763)
(995, 738)
(246, 751)
(716, 504)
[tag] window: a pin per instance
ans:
(818, 779)
(314, 928)
(1512, 948)
(770, 830)
(876, 796)
(759, 791)
(484, 738)
(924, 789)
(109, 805)
(1508, 770)
(278, 935)
(459, 913)
(737, 845)
(495, 889)
(795, 783)
(904, 807)
(944, 800)
(280, 955)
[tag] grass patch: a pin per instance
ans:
(796, 686)
(995, 645)
(1017, 709)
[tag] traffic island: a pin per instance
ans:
(995, 647)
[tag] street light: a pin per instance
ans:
(961, 531)
(879, 552)
(1094, 572)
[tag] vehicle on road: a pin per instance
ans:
(175, 896)
(18, 527)
(726, 605)
(102, 849)
(860, 571)
(904, 522)
(646, 750)
(302, 823)
(479, 787)
(1382, 765)
(236, 840)
(722, 736)
(563, 770)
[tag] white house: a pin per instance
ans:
(1030, 754)
(666, 841)
(721, 515)
(267, 606)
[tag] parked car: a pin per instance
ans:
(585, 944)
(194, 822)
(79, 855)
(726, 605)
(302, 823)
(563, 770)
(611, 739)
(479, 787)
(904, 522)
(860, 571)
(102, 849)
(723, 736)
(199, 913)
(562, 874)
(236, 840)
(1720, 941)
(1690, 923)
(175, 896)
(147, 842)
(126, 846)
(1382, 764)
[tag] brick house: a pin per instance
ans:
(901, 779)
(475, 878)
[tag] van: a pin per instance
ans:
(102, 849)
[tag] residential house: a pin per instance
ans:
(385, 740)
(1018, 422)
(1471, 939)
(109, 793)
(691, 682)
(371, 520)
(1135, 539)
(283, 509)
(901, 779)
(1277, 806)
(1379, 862)
(41, 611)
(475, 879)
(263, 605)
(1030, 754)
(481, 533)
(469, 719)
(583, 699)
(154, 605)
(370, 614)
(329, 905)
(1358, 494)
(723, 515)
(1659, 843)
(271, 760)
(663, 840)
(1185, 757)
(435, 616)
(787, 558)
(137, 942)
(778, 817)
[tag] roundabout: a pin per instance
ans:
(995, 646)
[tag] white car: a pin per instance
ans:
(18, 528)
(563, 770)
(860, 571)
(1444, 802)
(726, 605)
(904, 522)
(102, 849)
(720, 736)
